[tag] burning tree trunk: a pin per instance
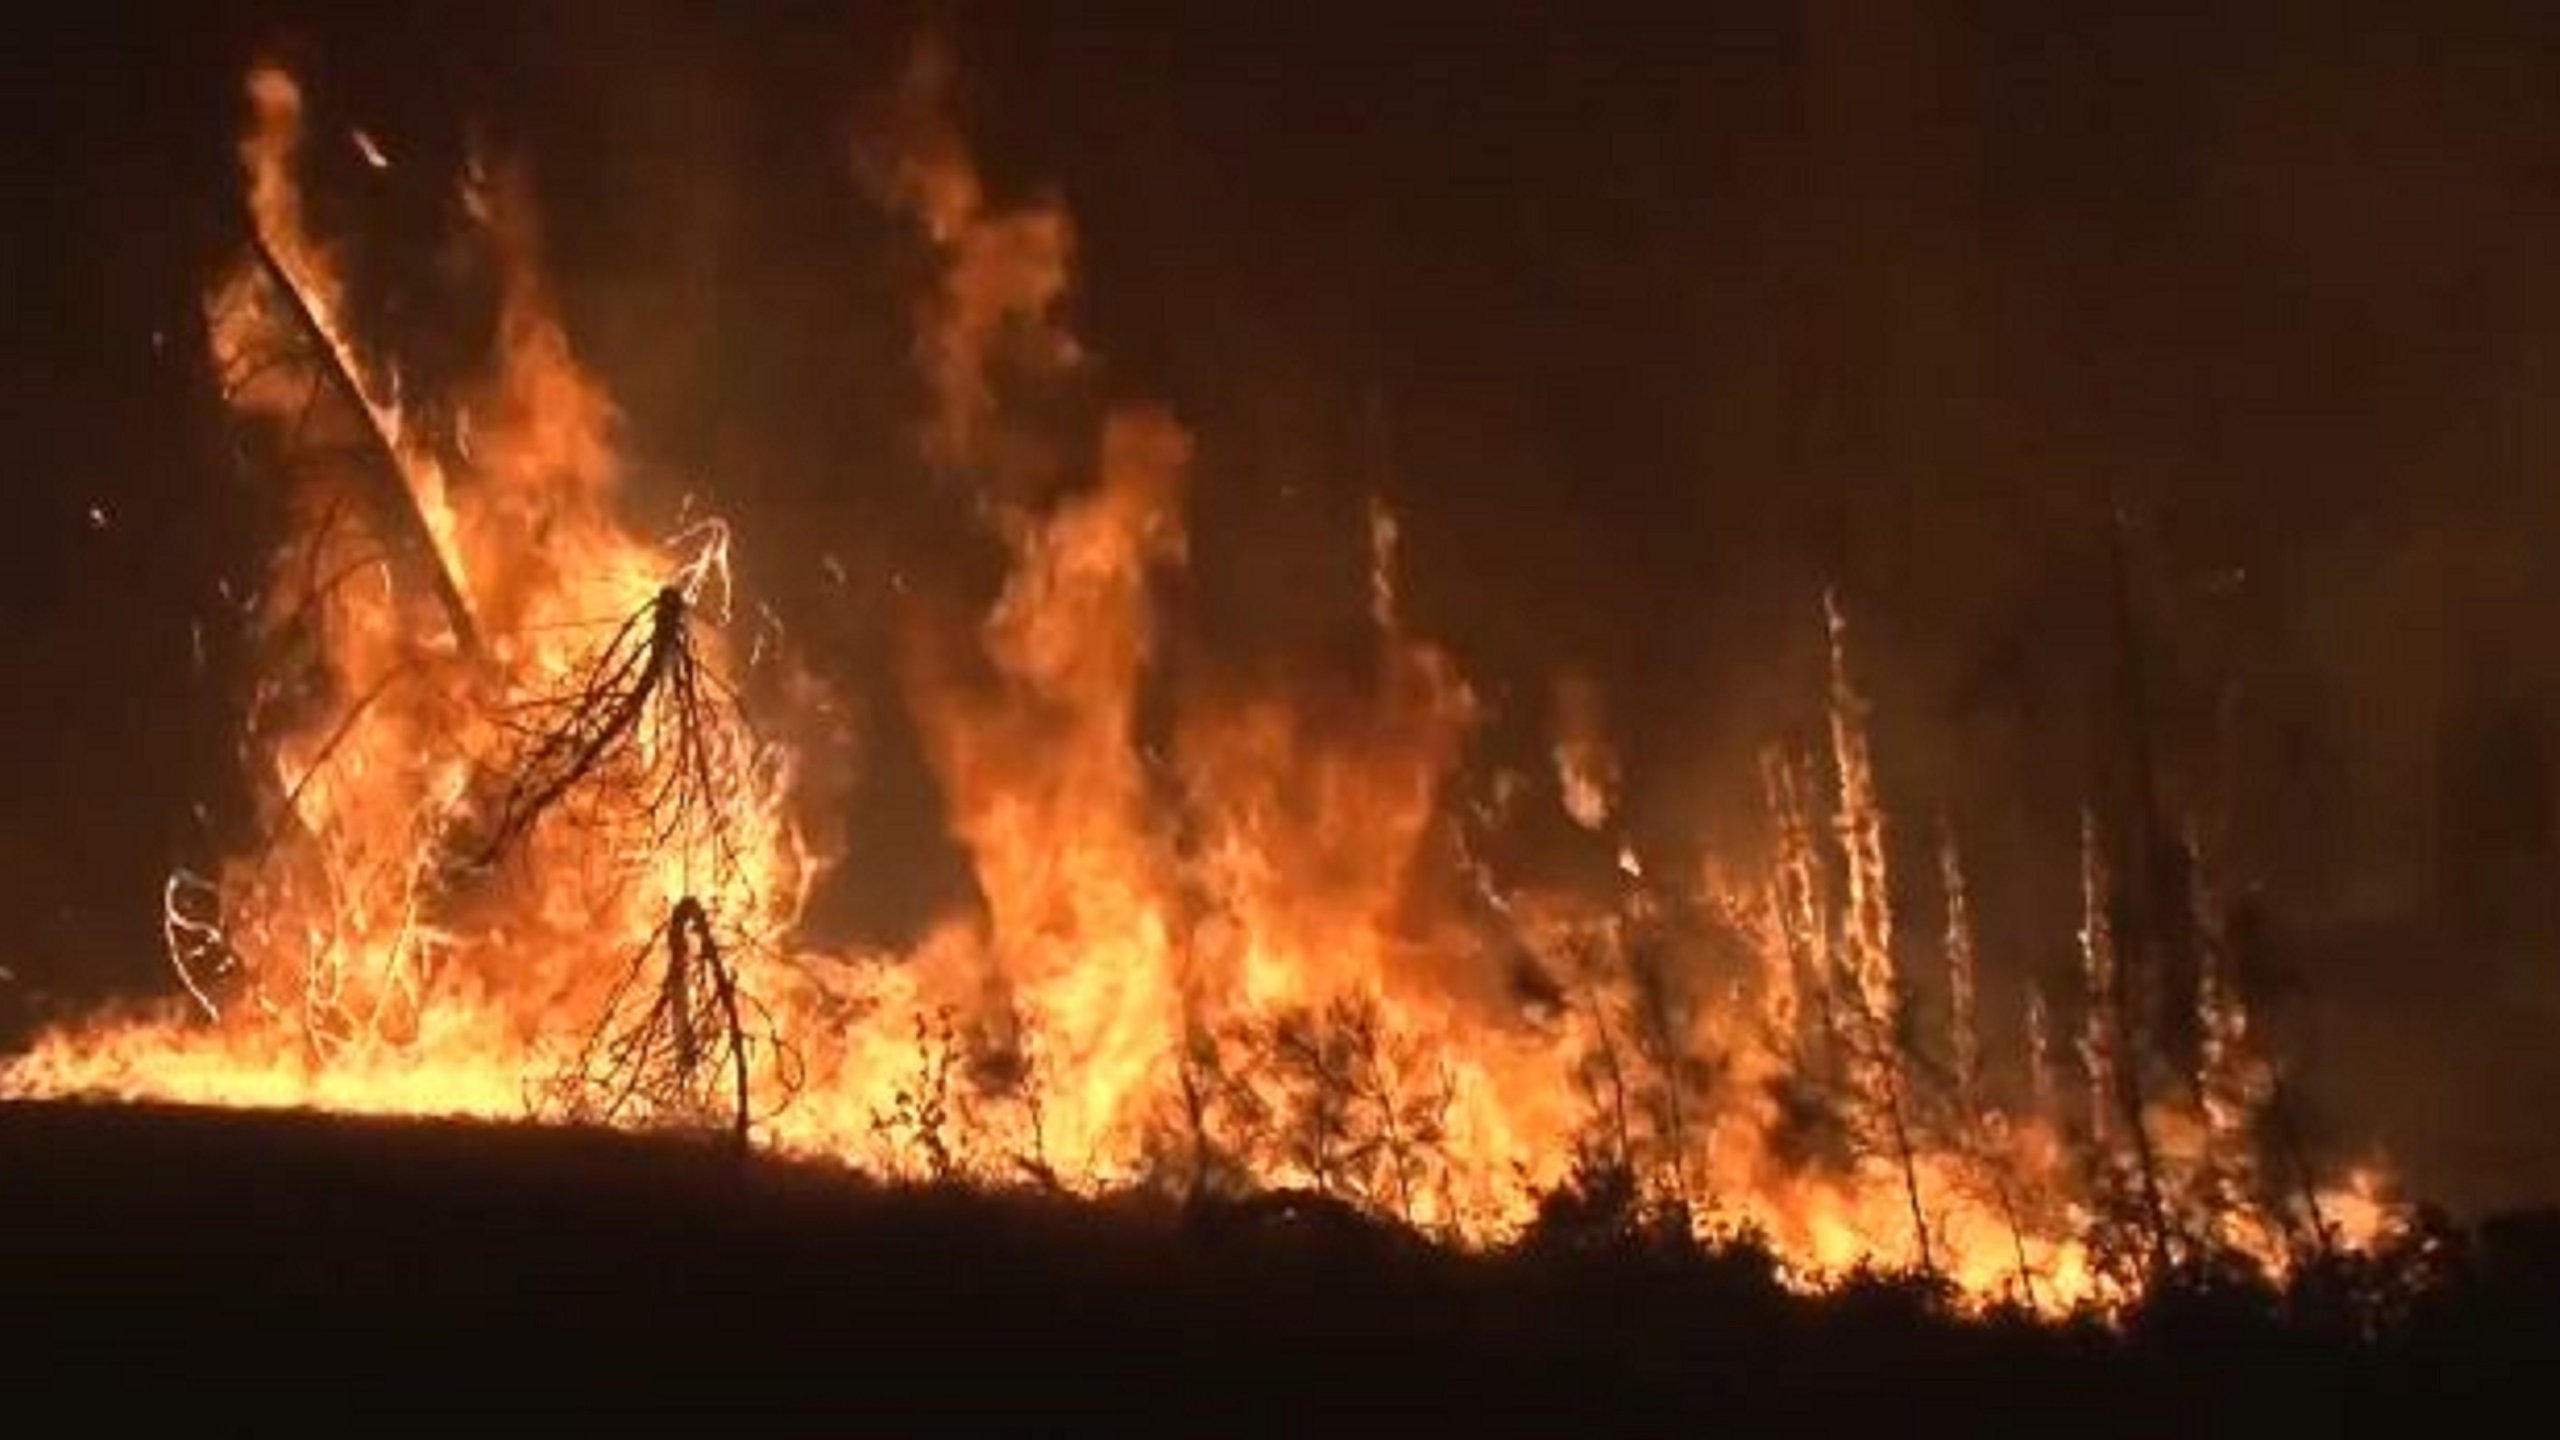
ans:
(1964, 1031)
(2098, 1052)
(1867, 930)
(1984, 1134)
(2109, 1053)
(352, 966)
(383, 478)
(280, 319)
(1802, 903)
(2042, 1092)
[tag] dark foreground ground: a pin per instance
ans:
(291, 1272)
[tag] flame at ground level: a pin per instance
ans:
(466, 1067)
(525, 853)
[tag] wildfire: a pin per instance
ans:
(525, 849)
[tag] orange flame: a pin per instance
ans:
(1264, 957)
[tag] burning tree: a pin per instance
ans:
(475, 831)
(1872, 1035)
(1230, 930)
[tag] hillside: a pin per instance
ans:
(298, 1262)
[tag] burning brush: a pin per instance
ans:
(677, 1047)
(518, 823)
(646, 744)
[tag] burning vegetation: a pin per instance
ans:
(531, 843)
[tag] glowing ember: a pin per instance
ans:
(526, 851)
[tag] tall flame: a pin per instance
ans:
(520, 840)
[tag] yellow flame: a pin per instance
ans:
(1264, 957)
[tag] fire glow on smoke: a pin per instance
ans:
(528, 850)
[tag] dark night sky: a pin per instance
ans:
(1647, 325)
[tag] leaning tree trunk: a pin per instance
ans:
(383, 486)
